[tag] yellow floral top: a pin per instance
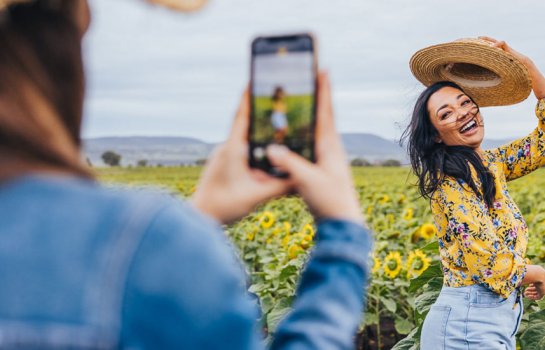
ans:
(481, 245)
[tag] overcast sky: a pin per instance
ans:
(153, 72)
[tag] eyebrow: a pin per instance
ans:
(446, 105)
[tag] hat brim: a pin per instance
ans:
(491, 76)
(181, 5)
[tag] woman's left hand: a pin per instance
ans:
(535, 291)
(538, 80)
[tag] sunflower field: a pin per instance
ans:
(274, 242)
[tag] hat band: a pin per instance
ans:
(470, 74)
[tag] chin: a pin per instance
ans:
(475, 141)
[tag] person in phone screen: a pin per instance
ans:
(279, 118)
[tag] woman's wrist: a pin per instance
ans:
(535, 274)
(538, 80)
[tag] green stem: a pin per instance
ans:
(379, 341)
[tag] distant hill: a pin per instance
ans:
(166, 151)
(170, 151)
(372, 147)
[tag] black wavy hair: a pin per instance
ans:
(432, 161)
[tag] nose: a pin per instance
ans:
(462, 113)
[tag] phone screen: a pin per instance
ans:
(283, 97)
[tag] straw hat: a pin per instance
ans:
(179, 5)
(491, 76)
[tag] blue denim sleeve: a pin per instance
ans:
(186, 289)
(330, 298)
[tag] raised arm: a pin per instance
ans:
(527, 154)
(489, 261)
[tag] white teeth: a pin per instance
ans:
(468, 126)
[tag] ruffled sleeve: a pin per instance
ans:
(527, 154)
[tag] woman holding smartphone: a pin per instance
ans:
(85, 267)
(482, 235)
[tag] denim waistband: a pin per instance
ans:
(474, 293)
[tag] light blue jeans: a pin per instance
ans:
(471, 318)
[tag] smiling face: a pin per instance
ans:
(456, 118)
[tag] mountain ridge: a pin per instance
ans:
(182, 150)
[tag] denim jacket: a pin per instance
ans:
(85, 267)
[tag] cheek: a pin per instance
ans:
(445, 132)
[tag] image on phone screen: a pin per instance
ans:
(283, 94)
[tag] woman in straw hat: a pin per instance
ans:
(482, 235)
(83, 267)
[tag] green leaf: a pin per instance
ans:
(537, 317)
(371, 318)
(423, 302)
(403, 326)
(287, 272)
(249, 256)
(401, 283)
(431, 248)
(267, 303)
(275, 316)
(389, 304)
(435, 283)
(534, 337)
(256, 288)
(410, 342)
(433, 271)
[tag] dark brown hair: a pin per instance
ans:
(42, 88)
(432, 161)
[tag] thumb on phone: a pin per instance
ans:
(296, 166)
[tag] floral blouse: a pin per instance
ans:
(482, 245)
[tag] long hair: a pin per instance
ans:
(278, 94)
(41, 88)
(432, 161)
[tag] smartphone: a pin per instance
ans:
(283, 97)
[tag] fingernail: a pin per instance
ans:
(277, 151)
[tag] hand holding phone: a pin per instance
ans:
(229, 189)
(283, 97)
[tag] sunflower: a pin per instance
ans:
(392, 264)
(294, 250)
(180, 187)
(417, 262)
(267, 219)
(428, 230)
(251, 235)
(306, 240)
(408, 214)
(384, 199)
(376, 265)
(308, 230)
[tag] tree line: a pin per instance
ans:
(113, 159)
